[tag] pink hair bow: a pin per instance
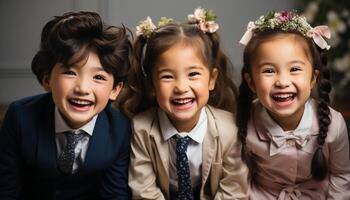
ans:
(248, 34)
(317, 33)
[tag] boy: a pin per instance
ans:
(70, 143)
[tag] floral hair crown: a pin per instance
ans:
(287, 21)
(204, 19)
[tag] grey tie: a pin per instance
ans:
(66, 159)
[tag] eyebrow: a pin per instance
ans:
(274, 64)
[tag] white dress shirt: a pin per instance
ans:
(82, 146)
(194, 149)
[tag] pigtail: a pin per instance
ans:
(132, 98)
(244, 106)
(225, 92)
(319, 167)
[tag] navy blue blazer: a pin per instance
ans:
(28, 155)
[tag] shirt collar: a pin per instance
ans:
(197, 133)
(274, 129)
(62, 126)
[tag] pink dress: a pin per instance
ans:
(284, 157)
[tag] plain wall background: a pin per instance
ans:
(21, 23)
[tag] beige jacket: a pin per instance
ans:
(224, 175)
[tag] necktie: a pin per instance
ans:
(183, 169)
(66, 159)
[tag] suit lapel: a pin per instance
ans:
(210, 145)
(161, 145)
(98, 150)
(46, 147)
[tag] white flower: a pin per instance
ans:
(311, 11)
(345, 13)
(146, 27)
(209, 26)
(334, 22)
(342, 64)
(199, 15)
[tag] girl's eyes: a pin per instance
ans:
(166, 77)
(295, 68)
(268, 71)
(191, 74)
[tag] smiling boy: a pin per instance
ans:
(69, 143)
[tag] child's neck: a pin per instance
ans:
(290, 122)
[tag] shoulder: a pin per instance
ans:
(337, 127)
(224, 121)
(32, 104)
(115, 115)
(145, 119)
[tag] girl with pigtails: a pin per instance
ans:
(184, 144)
(295, 146)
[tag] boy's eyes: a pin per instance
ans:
(100, 77)
(69, 72)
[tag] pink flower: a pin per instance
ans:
(284, 16)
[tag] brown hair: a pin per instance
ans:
(69, 38)
(136, 97)
(246, 96)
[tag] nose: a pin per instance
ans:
(82, 86)
(283, 81)
(181, 86)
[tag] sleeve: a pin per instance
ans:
(10, 156)
(339, 163)
(142, 178)
(234, 182)
(115, 180)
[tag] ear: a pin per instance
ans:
(212, 79)
(116, 90)
(248, 79)
(46, 83)
(314, 77)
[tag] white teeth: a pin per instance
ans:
(282, 96)
(182, 101)
(81, 102)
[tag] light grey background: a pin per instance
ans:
(21, 22)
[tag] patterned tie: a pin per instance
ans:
(183, 169)
(66, 159)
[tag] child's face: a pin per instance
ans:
(282, 78)
(82, 91)
(181, 85)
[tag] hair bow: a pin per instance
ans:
(317, 33)
(248, 34)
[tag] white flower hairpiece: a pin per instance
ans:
(147, 27)
(204, 19)
(287, 21)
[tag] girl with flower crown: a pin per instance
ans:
(184, 144)
(295, 146)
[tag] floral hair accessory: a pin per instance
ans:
(147, 27)
(287, 21)
(205, 20)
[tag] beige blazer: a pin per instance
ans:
(224, 175)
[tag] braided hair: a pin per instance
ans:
(244, 101)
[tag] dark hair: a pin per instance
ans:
(69, 38)
(319, 167)
(136, 96)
